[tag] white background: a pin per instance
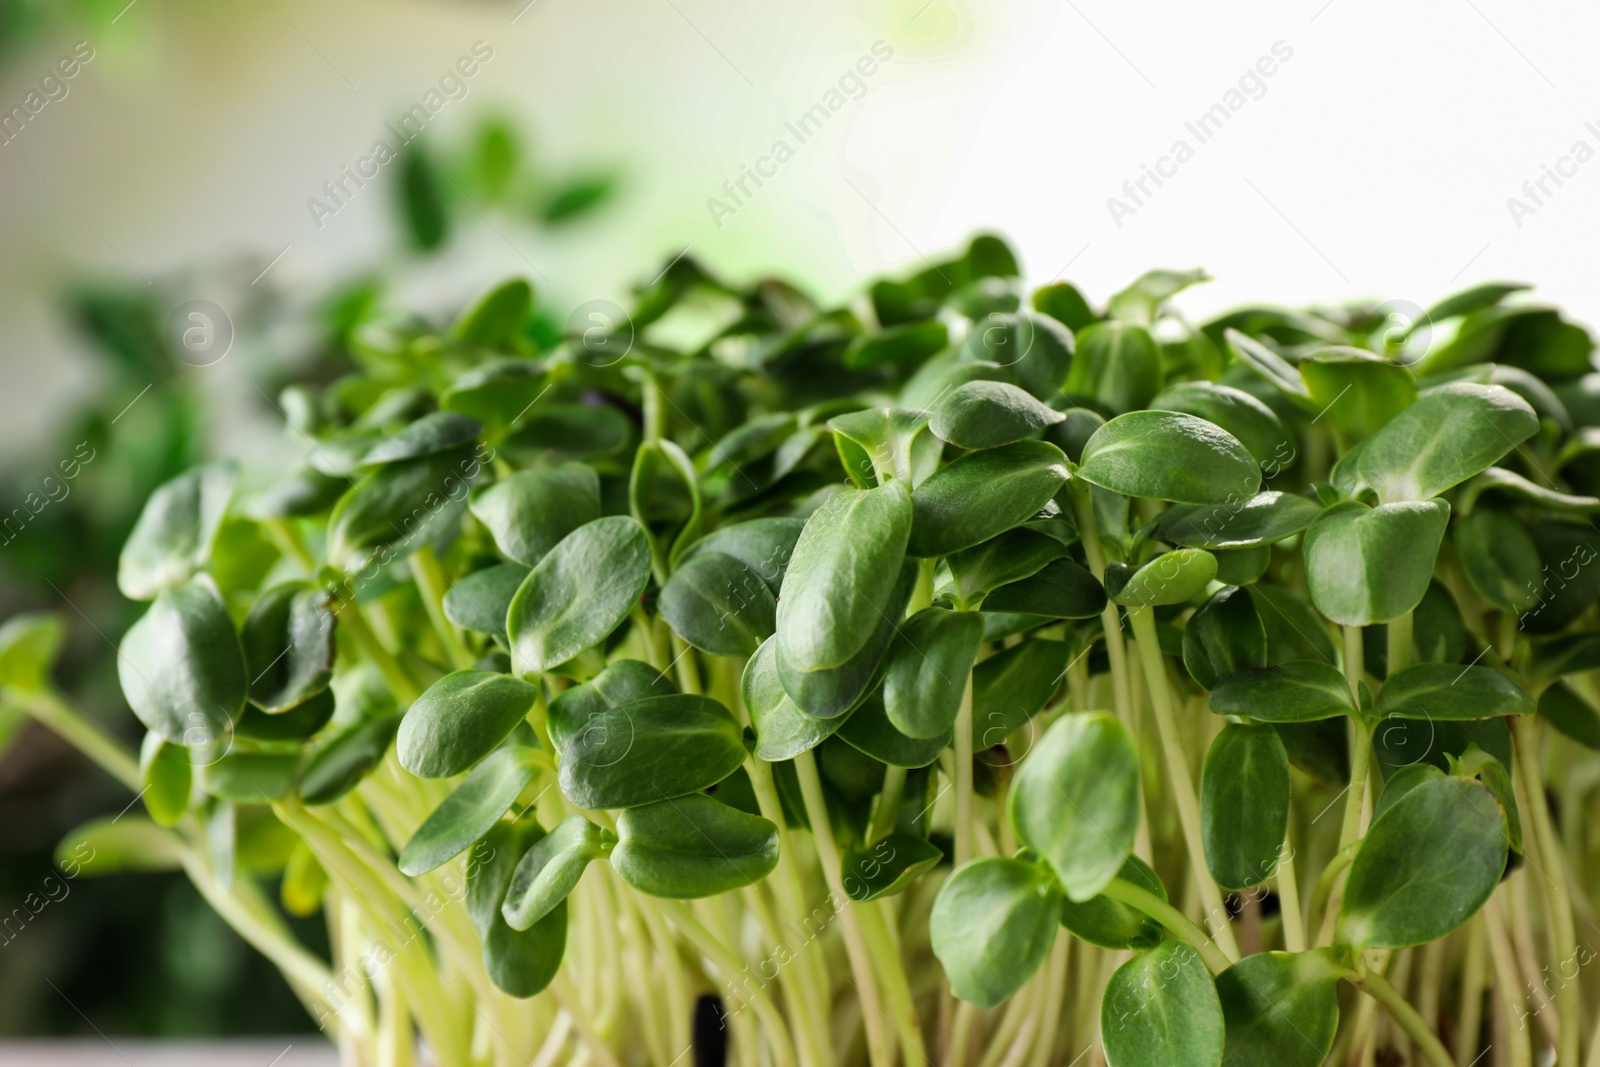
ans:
(1378, 162)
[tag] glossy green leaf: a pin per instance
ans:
(1075, 800)
(1111, 923)
(1244, 805)
(982, 495)
(1142, 300)
(1012, 686)
(288, 645)
(521, 963)
(1224, 637)
(1297, 691)
(1256, 425)
(173, 537)
(926, 671)
(1259, 520)
(1166, 455)
(440, 431)
(842, 575)
(1280, 1009)
(1063, 302)
(885, 443)
(469, 812)
(1440, 691)
(719, 605)
(481, 600)
(1171, 578)
(1425, 867)
(167, 775)
(1355, 391)
(828, 693)
(1451, 433)
(650, 750)
(692, 846)
(782, 730)
(497, 393)
(498, 319)
(1117, 365)
(984, 414)
(887, 867)
(1500, 559)
(1035, 349)
(460, 719)
(992, 925)
(1059, 590)
(621, 682)
(907, 344)
(296, 724)
(398, 507)
(869, 730)
(763, 545)
(528, 513)
(1160, 1009)
(181, 666)
(338, 764)
(1571, 714)
(550, 870)
(581, 590)
(1010, 557)
(1270, 365)
(251, 777)
(1367, 565)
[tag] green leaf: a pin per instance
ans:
(868, 730)
(339, 764)
(1467, 301)
(172, 539)
(621, 682)
(1444, 691)
(1166, 455)
(29, 644)
(469, 812)
(1258, 520)
(1367, 565)
(181, 666)
(251, 777)
(887, 867)
(497, 392)
(842, 575)
(1160, 1009)
(1280, 1009)
(1035, 349)
(650, 750)
(882, 443)
(1060, 590)
(550, 870)
(1297, 691)
(829, 693)
(927, 668)
(1224, 637)
(460, 719)
(1509, 483)
(1012, 686)
(1014, 555)
(167, 775)
(1356, 391)
(521, 963)
(992, 925)
(1425, 866)
(1500, 559)
(692, 847)
(528, 513)
(763, 545)
(982, 495)
(580, 591)
(398, 507)
(296, 724)
(1244, 805)
(1241, 566)
(1117, 365)
(1111, 923)
(440, 431)
(499, 318)
(908, 345)
(427, 222)
(719, 605)
(782, 730)
(288, 645)
(1271, 366)
(1451, 433)
(1170, 578)
(1572, 654)
(1571, 714)
(481, 600)
(1142, 300)
(983, 414)
(1075, 800)
(1063, 302)
(1256, 425)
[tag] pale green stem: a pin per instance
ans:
(1294, 925)
(1509, 982)
(694, 930)
(1181, 784)
(896, 988)
(1400, 646)
(883, 816)
(1330, 874)
(431, 585)
(81, 734)
(1377, 986)
(963, 778)
(1351, 828)
(287, 538)
(1174, 920)
(400, 684)
(1469, 1016)
(879, 1050)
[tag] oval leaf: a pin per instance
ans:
(1453, 432)
(173, 537)
(692, 847)
(982, 495)
(650, 750)
(719, 605)
(927, 668)
(288, 645)
(468, 813)
(1244, 805)
(983, 414)
(1297, 691)
(580, 591)
(550, 870)
(460, 719)
(992, 924)
(181, 666)
(528, 513)
(1166, 455)
(1280, 1009)
(1367, 565)
(1160, 1009)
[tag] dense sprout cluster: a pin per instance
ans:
(958, 675)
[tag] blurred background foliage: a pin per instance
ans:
(142, 954)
